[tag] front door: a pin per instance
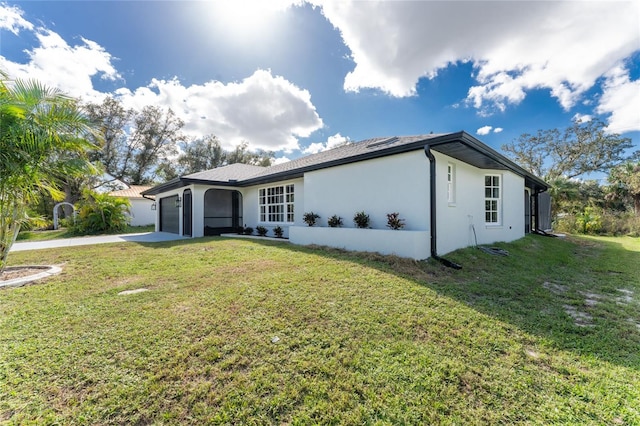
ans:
(186, 213)
(527, 211)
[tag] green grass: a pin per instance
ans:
(64, 233)
(361, 339)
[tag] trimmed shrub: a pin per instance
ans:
(310, 218)
(394, 221)
(261, 230)
(361, 219)
(334, 221)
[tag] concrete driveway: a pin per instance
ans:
(146, 237)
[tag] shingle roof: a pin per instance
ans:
(343, 153)
(227, 173)
(458, 145)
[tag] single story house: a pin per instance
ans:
(141, 213)
(452, 191)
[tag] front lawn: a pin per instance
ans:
(257, 332)
(65, 233)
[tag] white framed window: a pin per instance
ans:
(492, 199)
(451, 183)
(276, 204)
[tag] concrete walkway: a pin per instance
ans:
(147, 237)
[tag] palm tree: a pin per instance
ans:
(625, 184)
(42, 135)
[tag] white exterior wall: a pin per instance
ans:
(141, 213)
(398, 183)
(164, 195)
(251, 205)
(455, 220)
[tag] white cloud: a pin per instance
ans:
(583, 118)
(281, 160)
(621, 99)
(498, 130)
(266, 111)
(485, 130)
(11, 19)
(332, 142)
(563, 47)
(69, 68)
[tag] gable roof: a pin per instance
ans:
(461, 146)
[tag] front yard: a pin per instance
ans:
(257, 332)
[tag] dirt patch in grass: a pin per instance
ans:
(581, 319)
(626, 297)
(20, 272)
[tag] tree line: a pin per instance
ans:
(147, 146)
(564, 157)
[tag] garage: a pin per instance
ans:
(170, 215)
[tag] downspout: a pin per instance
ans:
(432, 217)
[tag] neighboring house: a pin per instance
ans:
(142, 209)
(452, 190)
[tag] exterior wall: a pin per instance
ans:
(457, 221)
(178, 192)
(141, 213)
(251, 205)
(398, 183)
(411, 244)
(198, 192)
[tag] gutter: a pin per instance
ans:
(432, 216)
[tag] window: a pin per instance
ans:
(492, 200)
(276, 204)
(451, 188)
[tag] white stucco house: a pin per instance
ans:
(451, 189)
(141, 213)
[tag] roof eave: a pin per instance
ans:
(471, 142)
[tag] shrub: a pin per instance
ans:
(35, 223)
(278, 231)
(98, 213)
(248, 230)
(361, 219)
(394, 221)
(334, 221)
(589, 222)
(261, 230)
(310, 218)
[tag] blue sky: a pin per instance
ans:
(298, 77)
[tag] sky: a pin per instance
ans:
(299, 77)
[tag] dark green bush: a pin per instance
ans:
(334, 221)
(310, 218)
(361, 219)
